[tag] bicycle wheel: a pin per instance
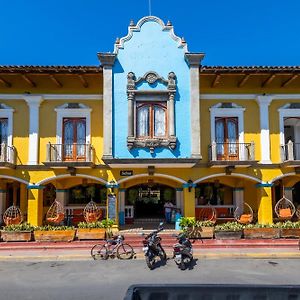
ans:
(125, 251)
(99, 252)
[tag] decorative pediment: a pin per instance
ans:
(151, 77)
(119, 44)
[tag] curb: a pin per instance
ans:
(140, 256)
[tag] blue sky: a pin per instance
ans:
(71, 32)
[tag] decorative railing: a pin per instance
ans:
(129, 212)
(70, 153)
(7, 154)
(231, 151)
(290, 151)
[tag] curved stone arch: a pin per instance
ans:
(170, 177)
(15, 178)
(49, 179)
(282, 176)
(233, 175)
(136, 28)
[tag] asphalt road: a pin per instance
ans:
(110, 279)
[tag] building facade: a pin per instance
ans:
(150, 123)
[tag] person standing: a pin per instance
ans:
(168, 211)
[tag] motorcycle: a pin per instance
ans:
(152, 248)
(183, 251)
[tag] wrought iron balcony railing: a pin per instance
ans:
(232, 152)
(70, 153)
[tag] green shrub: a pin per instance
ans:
(90, 225)
(19, 227)
(257, 225)
(187, 222)
(229, 226)
(288, 225)
(53, 228)
(204, 224)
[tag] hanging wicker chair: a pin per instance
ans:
(244, 215)
(92, 212)
(13, 216)
(298, 213)
(285, 209)
(208, 213)
(55, 213)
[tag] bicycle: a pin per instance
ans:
(111, 248)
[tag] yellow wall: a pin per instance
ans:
(48, 129)
(251, 124)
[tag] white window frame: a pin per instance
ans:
(217, 111)
(6, 112)
(286, 112)
(64, 111)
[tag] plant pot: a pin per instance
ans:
(54, 235)
(16, 236)
(261, 233)
(290, 233)
(201, 232)
(90, 233)
(228, 235)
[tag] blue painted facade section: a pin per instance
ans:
(151, 49)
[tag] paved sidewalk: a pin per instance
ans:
(210, 249)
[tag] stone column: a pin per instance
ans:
(194, 60)
(189, 201)
(238, 199)
(130, 114)
(23, 198)
(61, 196)
(33, 103)
(107, 61)
(122, 193)
(2, 201)
(171, 110)
(264, 102)
(288, 193)
(265, 208)
(35, 205)
(179, 200)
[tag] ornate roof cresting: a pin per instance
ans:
(136, 28)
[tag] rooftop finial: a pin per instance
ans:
(132, 23)
(150, 8)
(117, 40)
(169, 23)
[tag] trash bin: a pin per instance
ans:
(177, 220)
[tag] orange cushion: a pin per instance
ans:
(245, 218)
(285, 213)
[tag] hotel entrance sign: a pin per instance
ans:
(126, 172)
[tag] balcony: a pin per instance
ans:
(7, 156)
(290, 154)
(231, 154)
(70, 155)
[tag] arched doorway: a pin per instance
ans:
(148, 199)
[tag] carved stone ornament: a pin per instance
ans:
(152, 143)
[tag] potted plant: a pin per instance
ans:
(17, 233)
(289, 229)
(90, 231)
(229, 230)
(51, 233)
(95, 230)
(197, 229)
(262, 231)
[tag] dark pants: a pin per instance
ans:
(168, 216)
